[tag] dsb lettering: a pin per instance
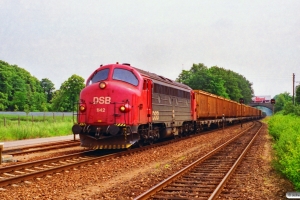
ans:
(101, 100)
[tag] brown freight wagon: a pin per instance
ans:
(230, 108)
(239, 109)
(210, 106)
(254, 111)
(247, 111)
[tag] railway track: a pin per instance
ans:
(206, 177)
(22, 172)
(44, 147)
(26, 171)
(41, 147)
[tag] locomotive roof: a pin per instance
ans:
(161, 78)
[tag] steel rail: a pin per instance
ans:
(40, 147)
(219, 188)
(37, 168)
(47, 163)
(40, 163)
(170, 179)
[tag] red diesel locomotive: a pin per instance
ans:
(122, 106)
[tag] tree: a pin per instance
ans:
(246, 89)
(297, 99)
(6, 73)
(18, 100)
(230, 82)
(18, 88)
(281, 101)
(288, 108)
(236, 85)
(48, 88)
(3, 101)
(200, 78)
(219, 81)
(38, 102)
(68, 94)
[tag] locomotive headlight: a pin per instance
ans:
(82, 108)
(102, 85)
(122, 109)
(125, 108)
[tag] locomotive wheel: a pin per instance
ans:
(177, 136)
(140, 143)
(150, 141)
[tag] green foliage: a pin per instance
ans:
(16, 108)
(230, 82)
(281, 100)
(219, 81)
(1, 107)
(285, 106)
(288, 108)
(285, 130)
(26, 109)
(48, 88)
(19, 91)
(236, 85)
(200, 78)
(64, 99)
(18, 88)
(297, 98)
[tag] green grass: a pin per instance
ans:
(23, 127)
(285, 129)
(266, 119)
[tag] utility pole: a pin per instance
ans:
(293, 89)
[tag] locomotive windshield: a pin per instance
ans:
(126, 76)
(100, 76)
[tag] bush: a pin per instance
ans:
(285, 129)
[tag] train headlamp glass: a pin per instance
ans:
(122, 109)
(125, 108)
(102, 85)
(82, 108)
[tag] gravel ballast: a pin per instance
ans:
(128, 176)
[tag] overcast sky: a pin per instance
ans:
(54, 39)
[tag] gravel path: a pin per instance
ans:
(127, 177)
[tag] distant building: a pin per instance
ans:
(261, 99)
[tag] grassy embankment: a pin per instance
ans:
(14, 127)
(285, 129)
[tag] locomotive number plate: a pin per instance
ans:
(100, 109)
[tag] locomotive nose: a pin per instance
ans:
(113, 129)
